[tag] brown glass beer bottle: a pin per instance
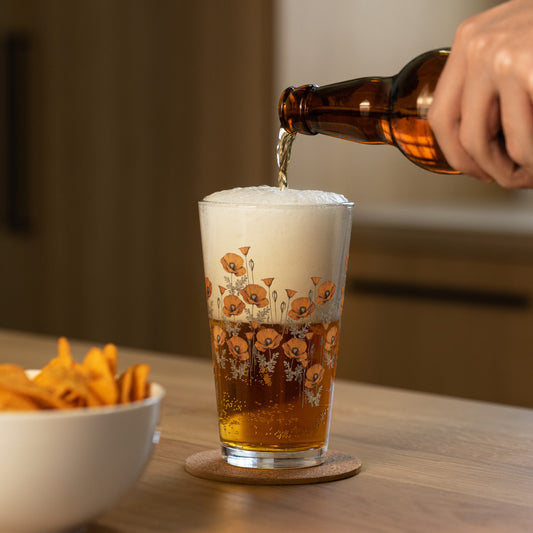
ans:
(380, 110)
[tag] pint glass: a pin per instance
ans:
(275, 267)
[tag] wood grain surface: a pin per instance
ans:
(430, 463)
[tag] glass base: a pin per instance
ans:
(273, 460)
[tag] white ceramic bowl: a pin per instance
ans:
(62, 469)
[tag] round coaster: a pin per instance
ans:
(211, 465)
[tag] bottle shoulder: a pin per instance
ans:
(413, 87)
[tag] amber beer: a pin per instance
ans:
(275, 264)
(278, 398)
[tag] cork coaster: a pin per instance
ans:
(211, 465)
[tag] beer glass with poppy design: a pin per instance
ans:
(275, 268)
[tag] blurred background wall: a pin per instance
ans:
(135, 110)
(116, 117)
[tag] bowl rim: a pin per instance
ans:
(157, 393)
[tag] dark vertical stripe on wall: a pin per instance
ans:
(14, 132)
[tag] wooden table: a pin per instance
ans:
(431, 463)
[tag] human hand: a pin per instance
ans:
(486, 90)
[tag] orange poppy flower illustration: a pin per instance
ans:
(219, 336)
(244, 250)
(315, 281)
(267, 281)
(233, 264)
(233, 306)
(267, 339)
(314, 375)
(221, 289)
(290, 292)
(208, 287)
(254, 295)
(301, 308)
(239, 348)
(326, 291)
(332, 336)
(296, 349)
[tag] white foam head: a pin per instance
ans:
(282, 240)
(265, 195)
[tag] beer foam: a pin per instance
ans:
(266, 195)
(286, 241)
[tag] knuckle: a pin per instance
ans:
(507, 182)
(520, 150)
(478, 46)
(515, 150)
(460, 163)
(516, 178)
(526, 181)
(469, 144)
(503, 62)
(465, 30)
(513, 181)
(455, 162)
(492, 49)
(510, 59)
(489, 53)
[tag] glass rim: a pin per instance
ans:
(253, 205)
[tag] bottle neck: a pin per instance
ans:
(357, 110)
